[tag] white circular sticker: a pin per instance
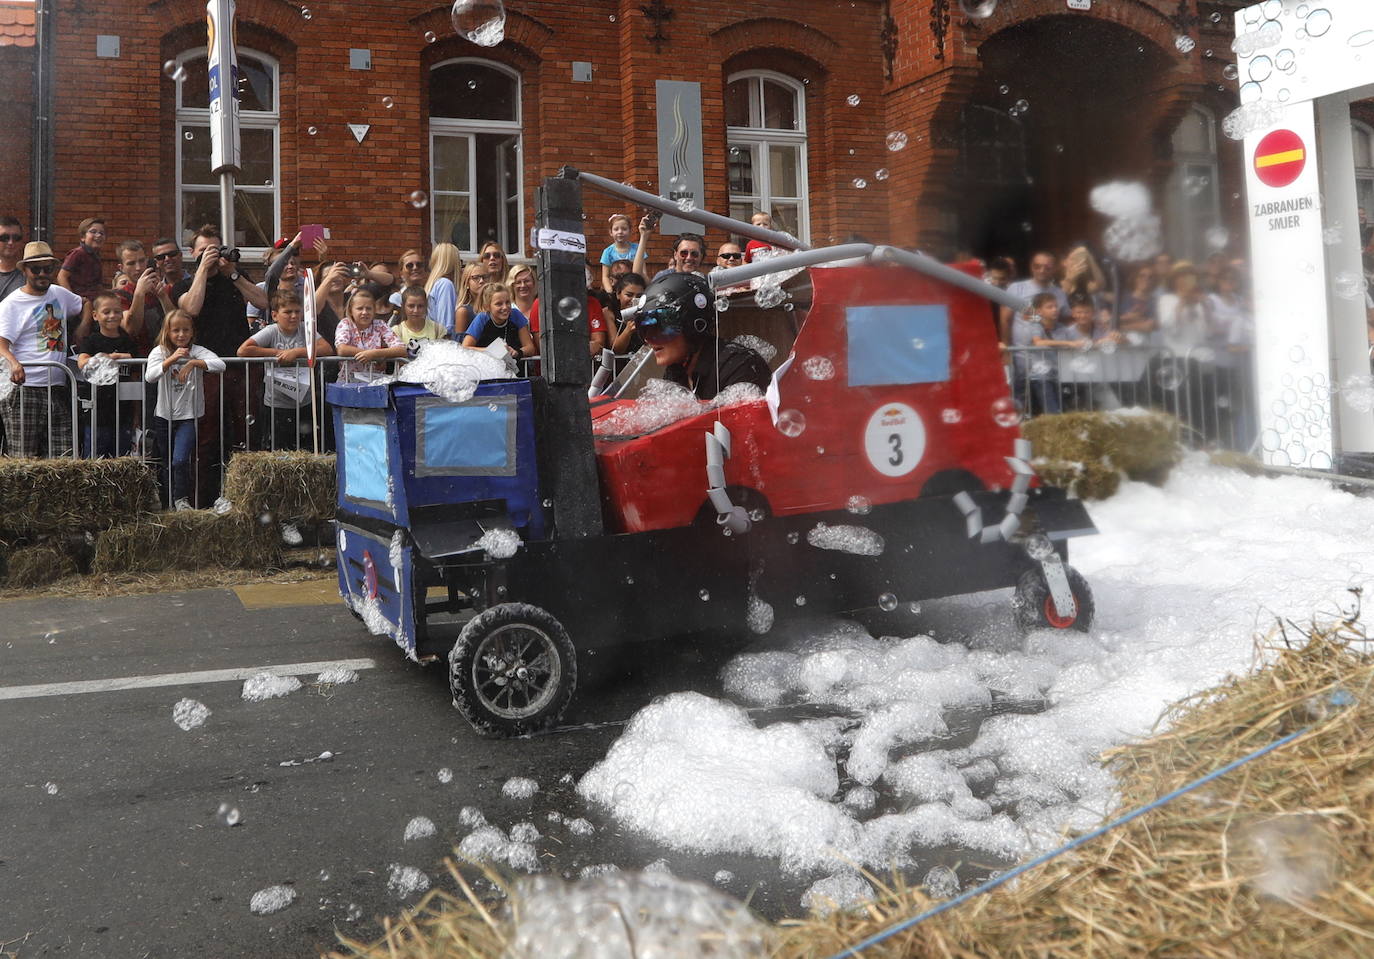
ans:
(895, 439)
(700, 301)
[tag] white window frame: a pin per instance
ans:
(1364, 176)
(248, 119)
(1190, 217)
(453, 127)
(758, 138)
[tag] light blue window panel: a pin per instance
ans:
(365, 462)
(897, 345)
(469, 439)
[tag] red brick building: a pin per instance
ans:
(1009, 120)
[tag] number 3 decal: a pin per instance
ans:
(894, 439)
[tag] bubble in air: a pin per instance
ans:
(896, 140)
(978, 9)
(887, 602)
(1169, 377)
(722, 304)
(705, 595)
(791, 423)
(1362, 39)
(1019, 107)
(1004, 412)
(800, 601)
(481, 21)
(419, 199)
(1230, 71)
(1318, 22)
(1184, 43)
(570, 308)
(228, 815)
(190, 135)
(311, 131)
(951, 415)
(941, 883)
(388, 102)
(174, 70)
(50, 788)
(1350, 285)
(860, 183)
(852, 100)
(431, 36)
(1217, 237)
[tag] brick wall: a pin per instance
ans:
(16, 120)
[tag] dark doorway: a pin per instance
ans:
(1076, 92)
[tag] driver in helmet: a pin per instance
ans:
(678, 322)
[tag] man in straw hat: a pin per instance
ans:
(34, 322)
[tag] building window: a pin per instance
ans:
(476, 181)
(1363, 138)
(256, 196)
(1192, 204)
(765, 125)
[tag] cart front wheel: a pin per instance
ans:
(1035, 609)
(513, 670)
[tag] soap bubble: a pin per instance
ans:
(227, 815)
(705, 595)
(791, 423)
(431, 36)
(419, 199)
(570, 308)
(819, 368)
(887, 602)
(896, 140)
(860, 183)
(190, 135)
(174, 70)
(1350, 286)
(1230, 71)
(388, 102)
(852, 100)
(481, 21)
(1004, 412)
(942, 883)
(311, 130)
(722, 304)
(306, 14)
(800, 601)
(1019, 107)
(880, 173)
(859, 505)
(1217, 237)
(1184, 43)
(1318, 22)
(686, 204)
(767, 297)
(1358, 391)
(951, 415)
(1169, 376)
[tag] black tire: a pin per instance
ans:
(1032, 602)
(513, 670)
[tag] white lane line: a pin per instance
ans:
(175, 679)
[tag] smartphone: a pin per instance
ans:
(653, 216)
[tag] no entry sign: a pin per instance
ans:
(1280, 158)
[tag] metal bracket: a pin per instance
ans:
(1061, 594)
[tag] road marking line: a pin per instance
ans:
(175, 679)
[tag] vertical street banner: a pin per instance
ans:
(681, 176)
(224, 86)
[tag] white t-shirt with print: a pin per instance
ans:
(36, 327)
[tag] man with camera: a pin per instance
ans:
(217, 294)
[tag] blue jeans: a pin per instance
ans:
(183, 446)
(1036, 396)
(108, 441)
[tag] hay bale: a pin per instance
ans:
(40, 497)
(1141, 443)
(39, 565)
(1230, 459)
(294, 486)
(191, 539)
(1091, 480)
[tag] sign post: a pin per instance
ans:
(1300, 68)
(224, 106)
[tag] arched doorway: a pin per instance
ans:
(1086, 96)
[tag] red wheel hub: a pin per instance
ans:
(369, 575)
(1054, 619)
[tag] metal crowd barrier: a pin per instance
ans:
(24, 398)
(1210, 391)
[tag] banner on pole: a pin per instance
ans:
(224, 86)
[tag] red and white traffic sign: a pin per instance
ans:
(1280, 158)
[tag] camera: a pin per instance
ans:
(357, 271)
(230, 253)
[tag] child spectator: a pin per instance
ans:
(415, 325)
(81, 270)
(179, 366)
(620, 249)
(286, 388)
(753, 246)
(364, 339)
(1032, 379)
(114, 425)
(500, 322)
(444, 267)
(469, 297)
(628, 288)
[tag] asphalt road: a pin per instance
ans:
(113, 844)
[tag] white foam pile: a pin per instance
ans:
(100, 370)
(840, 891)
(452, 371)
(615, 915)
(1135, 232)
(499, 543)
(519, 787)
(1249, 117)
(490, 844)
(188, 714)
(406, 881)
(272, 899)
(662, 403)
(421, 827)
(1183, 577)
(846, 539)
(336, 676)
(262, 686)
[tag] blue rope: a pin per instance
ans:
(1010, 874)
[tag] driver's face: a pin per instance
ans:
(670, 351)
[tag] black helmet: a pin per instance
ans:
(677, 303)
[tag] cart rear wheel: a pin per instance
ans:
(1035, 610)
(513, 670)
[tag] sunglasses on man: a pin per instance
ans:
(11, 237)
(41, 269)
(164, 256)
(731, 256)
(689, 254)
